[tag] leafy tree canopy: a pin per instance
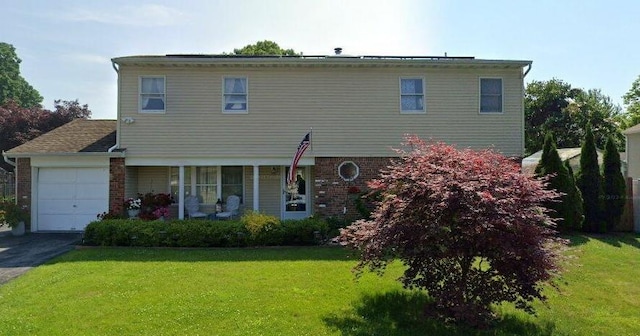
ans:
(12, 85)
(264, 48)
(468, 225)
(20, 124)
(632, 105)
(557, 107)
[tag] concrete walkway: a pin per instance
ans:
(20, 254)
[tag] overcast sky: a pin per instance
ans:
(66, 46)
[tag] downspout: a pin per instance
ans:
(117, 145)
(526, 72)
(524, 140)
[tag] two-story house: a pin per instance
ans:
(214, 126)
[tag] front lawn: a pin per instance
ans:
(292, 291)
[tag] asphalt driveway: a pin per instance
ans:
(20, 254)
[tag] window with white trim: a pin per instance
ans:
(209, 182)
(152, 94)
(232, 181)
(412, 95)
(491, 95)
(235, 95)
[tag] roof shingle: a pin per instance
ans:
(77, 136)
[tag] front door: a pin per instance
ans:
(296, 205)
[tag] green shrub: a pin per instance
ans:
(614, 185)
(589, 181)
(335, 223)
(307, 231)
(267, 230)
(561, 180)
(262, 228)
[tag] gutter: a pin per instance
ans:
(6, 159)
(117, 145)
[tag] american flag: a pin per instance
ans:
(304, 144)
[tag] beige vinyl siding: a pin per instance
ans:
(354, 111)
(633, 159)
(131, 182)
(153, 180)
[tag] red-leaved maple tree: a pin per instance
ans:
(469, 227)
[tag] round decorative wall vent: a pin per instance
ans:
(348, 170)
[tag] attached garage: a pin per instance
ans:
(70, 198)
(63, 177)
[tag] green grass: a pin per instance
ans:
(293, 291)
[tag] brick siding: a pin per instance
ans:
(23, 181)
(331, 193)
(116, 185)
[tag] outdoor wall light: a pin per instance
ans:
(128, 120)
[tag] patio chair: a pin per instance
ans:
(231, 208)
(192, 205)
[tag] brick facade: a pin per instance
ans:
(23, 185)
(117, 173)
(332, 195)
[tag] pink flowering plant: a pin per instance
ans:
(162, 212)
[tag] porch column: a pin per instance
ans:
(181, 192)
(256, 188)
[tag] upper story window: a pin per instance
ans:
(152, 94)
(412, 95)
(491, 95)
(235, 95)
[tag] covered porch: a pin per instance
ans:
(261, 186)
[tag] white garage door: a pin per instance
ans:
(71, 198)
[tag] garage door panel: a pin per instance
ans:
(57, 191)
(49, 206)
(90, 191)
(51, 222)
(92, 207)
(57, 175)
(94, 175)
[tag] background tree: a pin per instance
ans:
(264, 48)
(12, 85)
(557, 107)
(468, 226)
(632, 105)
(614, 186)
(559, 179)
(19, 124)
(589, 181)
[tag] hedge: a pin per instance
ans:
(203, 233)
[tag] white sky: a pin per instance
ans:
(66, 45)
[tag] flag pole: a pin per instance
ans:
(311, 138)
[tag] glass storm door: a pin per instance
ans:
(296, 205)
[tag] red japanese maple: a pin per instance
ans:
(467, 224)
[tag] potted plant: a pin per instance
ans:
(14, 216)
(133, 206)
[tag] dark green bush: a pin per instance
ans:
(309, 231)
(201, 233)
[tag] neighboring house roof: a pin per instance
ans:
(632, 130)
(572, 154)
(318, 60)
(77, 136)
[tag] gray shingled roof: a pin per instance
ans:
(77, 136)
